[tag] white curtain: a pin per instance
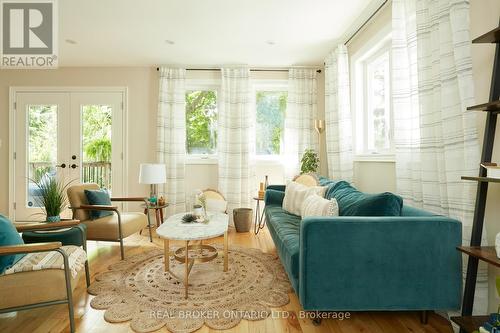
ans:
(171, 132)
(435, 136)
(301, 111)
(338, 115)
(236, 138)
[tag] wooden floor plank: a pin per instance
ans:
(101, 254)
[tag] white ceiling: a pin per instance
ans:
(205, 32)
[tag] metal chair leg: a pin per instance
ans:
(69, 292)
(122, 251)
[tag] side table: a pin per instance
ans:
(260, 218)
(158, 212)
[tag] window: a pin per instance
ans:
(270, 118)
(201, 122)
(372, 99)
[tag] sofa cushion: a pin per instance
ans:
(9, 236)
(356, 203)
(286, 227)
(315, 205)
(98, 197)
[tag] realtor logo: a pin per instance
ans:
(29, 34)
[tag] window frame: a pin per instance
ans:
(267, 85)
(371, 51)
(203, 84)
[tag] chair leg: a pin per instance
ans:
(69, 292)
(122, 252)
(87, 273)
(424, 317)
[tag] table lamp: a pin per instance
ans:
(153, 174)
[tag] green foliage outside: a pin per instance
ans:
(271, 108)
(201, 122)
(309, 161)
(96, 130)
(42, 133)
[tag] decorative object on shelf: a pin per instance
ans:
(266, 183)
(262, 191)
(309, 161)
(162, 201)
(52, 197)
(492, 170)
(152, 174)
(319, 126)
(242, 218)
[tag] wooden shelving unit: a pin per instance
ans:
(482, 179)
(492, 36)
(490, 106)
(467, 322)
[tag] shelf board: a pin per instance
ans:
(492, 36)
(484, 253)
(482, 179)
(490, 107)
(470, 323)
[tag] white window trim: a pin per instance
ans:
(267, 85)
(203, 84)
(378, 44)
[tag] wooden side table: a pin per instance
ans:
(158, 212)
(260, 218)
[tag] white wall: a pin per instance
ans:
(142, 84)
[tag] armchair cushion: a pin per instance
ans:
(106, 228)
(98, 197)
(9, 236)
(76, 197)
(51, 260)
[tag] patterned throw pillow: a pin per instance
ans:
(98, 197)
(296, 193)
(314, 205)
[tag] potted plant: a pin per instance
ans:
(309, 161)
(52, 196)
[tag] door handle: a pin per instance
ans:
(63, 165)
(74, 166)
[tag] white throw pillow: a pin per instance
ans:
(296, 193)
(314, 205)
(214, 205)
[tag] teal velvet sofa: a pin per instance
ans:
(368, 263)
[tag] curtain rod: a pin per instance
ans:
(251, 70)
(366, 22)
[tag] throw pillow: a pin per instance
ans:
(296, 193)
(98, 197)
(9, 236)
(356, 203)
(314, 205)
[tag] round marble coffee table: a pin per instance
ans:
(174, 229)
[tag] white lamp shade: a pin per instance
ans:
(152, 174)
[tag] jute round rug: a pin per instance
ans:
(138, 290)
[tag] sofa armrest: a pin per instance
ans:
(276, 187)
(274, 197)
(375, 263)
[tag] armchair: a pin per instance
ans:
(113, 228)
(25, 286)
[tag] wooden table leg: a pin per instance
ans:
(186, 273)
(161, 216)
(225, 251)
(166, 246)
(157, 213)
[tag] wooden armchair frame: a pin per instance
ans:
(115, 210)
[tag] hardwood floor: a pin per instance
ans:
(101, 254)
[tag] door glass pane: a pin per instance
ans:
(42, 147)
(96, 145)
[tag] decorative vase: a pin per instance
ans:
(198, 210)
(55, 218)
(497, 245)
(266, 183)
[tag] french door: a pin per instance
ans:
(75, 137)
